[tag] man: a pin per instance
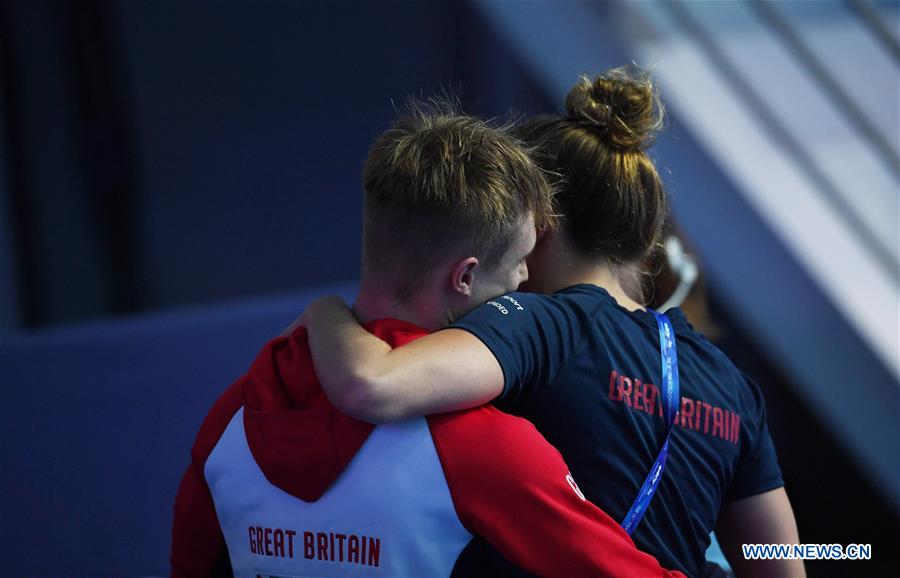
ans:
(282, 484)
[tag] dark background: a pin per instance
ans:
(164, 153)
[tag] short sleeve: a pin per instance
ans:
(530, 334)
(757, 469)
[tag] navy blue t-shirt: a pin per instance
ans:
(586, 371)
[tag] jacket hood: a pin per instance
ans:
(300, 441)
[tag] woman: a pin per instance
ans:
(581, 358)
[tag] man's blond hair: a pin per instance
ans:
(438, 182)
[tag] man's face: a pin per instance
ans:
(512, 270)
(540, 265)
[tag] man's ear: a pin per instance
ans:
(462, 275)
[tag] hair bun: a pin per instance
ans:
(621, 105)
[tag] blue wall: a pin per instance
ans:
(96, 426)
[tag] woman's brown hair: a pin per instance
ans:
(609, 195)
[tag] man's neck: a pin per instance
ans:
(377, 302)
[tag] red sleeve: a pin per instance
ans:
(198, 546)
(510, 487)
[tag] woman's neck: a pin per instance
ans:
(602, 275)
(561, 265)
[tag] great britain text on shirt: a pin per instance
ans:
(326, 547)
(694, 414)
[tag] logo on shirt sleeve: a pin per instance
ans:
(574, 486)
(514, 302)
(502, 308)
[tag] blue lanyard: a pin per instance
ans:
(670, 402)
